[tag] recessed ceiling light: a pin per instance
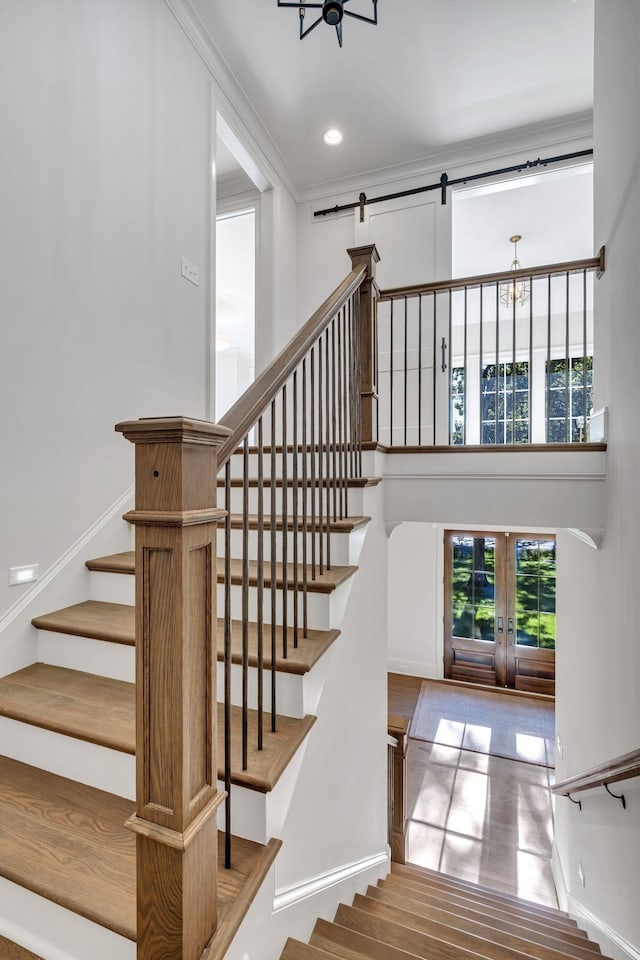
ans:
(332, 138)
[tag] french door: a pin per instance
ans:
(500, 609)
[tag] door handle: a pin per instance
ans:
(500, 625)
(443, 347)
(510, 625)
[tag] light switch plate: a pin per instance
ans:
(190, 272)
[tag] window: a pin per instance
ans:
(569, 398)
(505, 403)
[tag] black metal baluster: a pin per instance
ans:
(584, 355)
(464, 385)
(420, 370)
(433, 369)
(305, 493)
(227, 664)
(245, 601)
(358, 360)
(319, 484)
(405, 371)
(481, 440)
(530, 376)
(327, 448)
(295, 491)
(285, 524)
(548, 374)
(350, 350)
(567, 403)
(390, 375)
(260, 594)
(334, 452)
(312, 463)
(450, 367)
(274, 566)
(497, 377)
(341, 473)
(513, 370)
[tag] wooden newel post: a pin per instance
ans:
(368, 256)
(176, 796)
(398, 730)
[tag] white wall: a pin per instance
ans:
(598, 708)
(107, 115)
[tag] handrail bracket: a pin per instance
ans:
(616, 796)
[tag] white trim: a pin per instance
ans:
(246, 126)
(572, 477)
(288, 896)
(415, 668)
(593, 923)
(120, 506)
(592, 537)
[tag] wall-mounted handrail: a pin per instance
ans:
(624, 767)
(459, 283)
(245, 412)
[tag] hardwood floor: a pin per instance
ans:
(476, 817)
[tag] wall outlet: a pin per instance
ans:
(190, 272)
(25, 574)
(581, 873)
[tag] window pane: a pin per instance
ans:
(548, 631)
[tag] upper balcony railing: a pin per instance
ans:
(499, 359)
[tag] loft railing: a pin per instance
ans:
(307, 414)
(503, 358)
(624, 767)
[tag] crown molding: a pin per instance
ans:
(565, 135)
(232, 101)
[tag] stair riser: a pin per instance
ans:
(53, 932)
(115, 660)
(339, 546)
(289, 690)
(89, 763)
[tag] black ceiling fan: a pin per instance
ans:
(333, 12)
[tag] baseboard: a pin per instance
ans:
(415, 668)
(118, 508)
(610, 942)
(288, 896)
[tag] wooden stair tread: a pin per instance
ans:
(325, 582)
(116, 622)
(352, 945)
(94, 619)
(102, 711)
(454, 913)
(482, 894)
(68, 843)
(341, 525)
(71, 702)
(296, 950)
(474, 936)
(13, 951)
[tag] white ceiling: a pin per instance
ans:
(431, 76)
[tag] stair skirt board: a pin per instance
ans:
(54, 932)
(286, 897)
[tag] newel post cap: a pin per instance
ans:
(366, 255)
(174, 430)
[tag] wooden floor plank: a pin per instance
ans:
(102, 711)
(352, 482)
(115, 622)
(340, 525)
(296, 950)
(325, 582)
(352, 945)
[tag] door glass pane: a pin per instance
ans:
(536, 593)
(473, 588)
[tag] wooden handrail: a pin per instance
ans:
(254, 401)
(619, 768)
(440, 286)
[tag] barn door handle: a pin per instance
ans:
(500, 625)
(510, 625)
(443, 347)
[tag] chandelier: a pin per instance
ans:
(333, 12)
(514, 292)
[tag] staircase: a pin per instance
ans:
(417, 912)
(79, 868)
